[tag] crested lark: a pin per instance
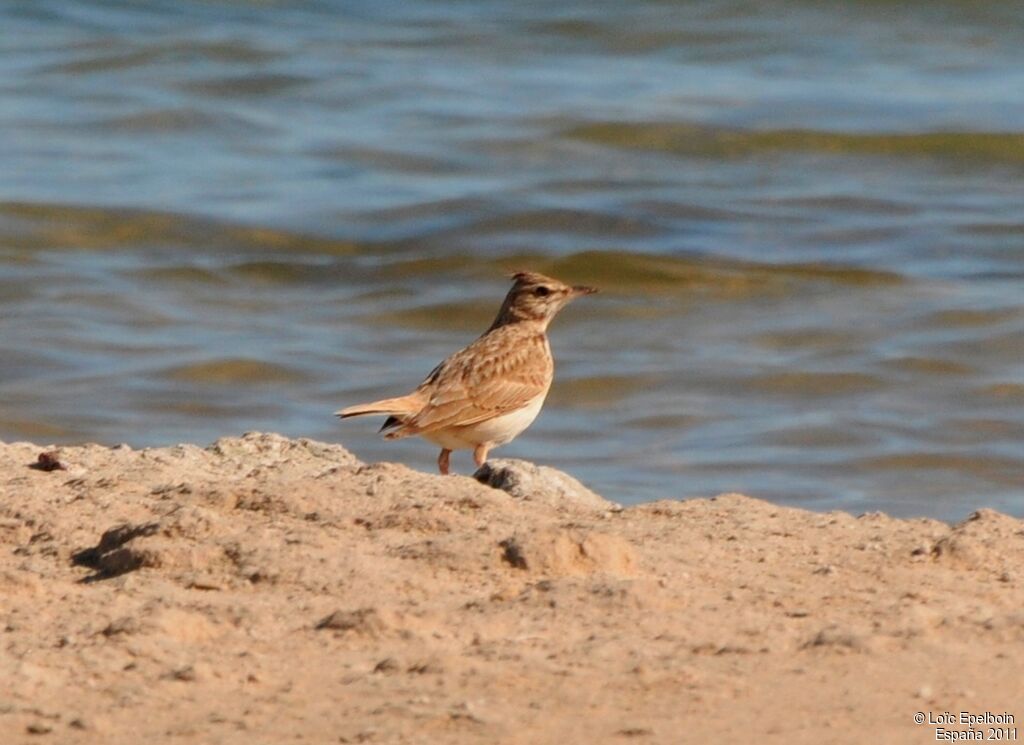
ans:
(486, 394)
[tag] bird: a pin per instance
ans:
(487, 393)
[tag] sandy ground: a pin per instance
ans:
(267, 590)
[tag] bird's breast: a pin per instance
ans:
(505, 428)
(495, 431)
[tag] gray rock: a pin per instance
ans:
(533, 483)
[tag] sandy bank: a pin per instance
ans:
(268, 590)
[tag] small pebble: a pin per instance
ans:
(49, 461)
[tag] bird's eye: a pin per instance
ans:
(542, 292)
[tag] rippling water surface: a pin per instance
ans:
(807, 219)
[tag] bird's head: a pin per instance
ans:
(535, 297)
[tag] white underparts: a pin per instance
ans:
(493, 432)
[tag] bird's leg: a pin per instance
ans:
(442, 461)
(480, 454)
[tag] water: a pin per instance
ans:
(806, 219)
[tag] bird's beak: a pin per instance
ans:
(583, 290)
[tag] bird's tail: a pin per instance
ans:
(401, 407)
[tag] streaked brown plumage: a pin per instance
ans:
(486, 394)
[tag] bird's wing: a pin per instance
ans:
(496, 374)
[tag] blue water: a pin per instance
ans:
(805, 217)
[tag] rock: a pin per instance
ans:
(843, 638)
(533, 483)
(363, 621)
(170, 543)
(49, 461)
(268, 449)
(90, 723)
(566, 553)
(111, 541)
(387, 665)
(198, 672)
(987, 540)
(123, 625)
